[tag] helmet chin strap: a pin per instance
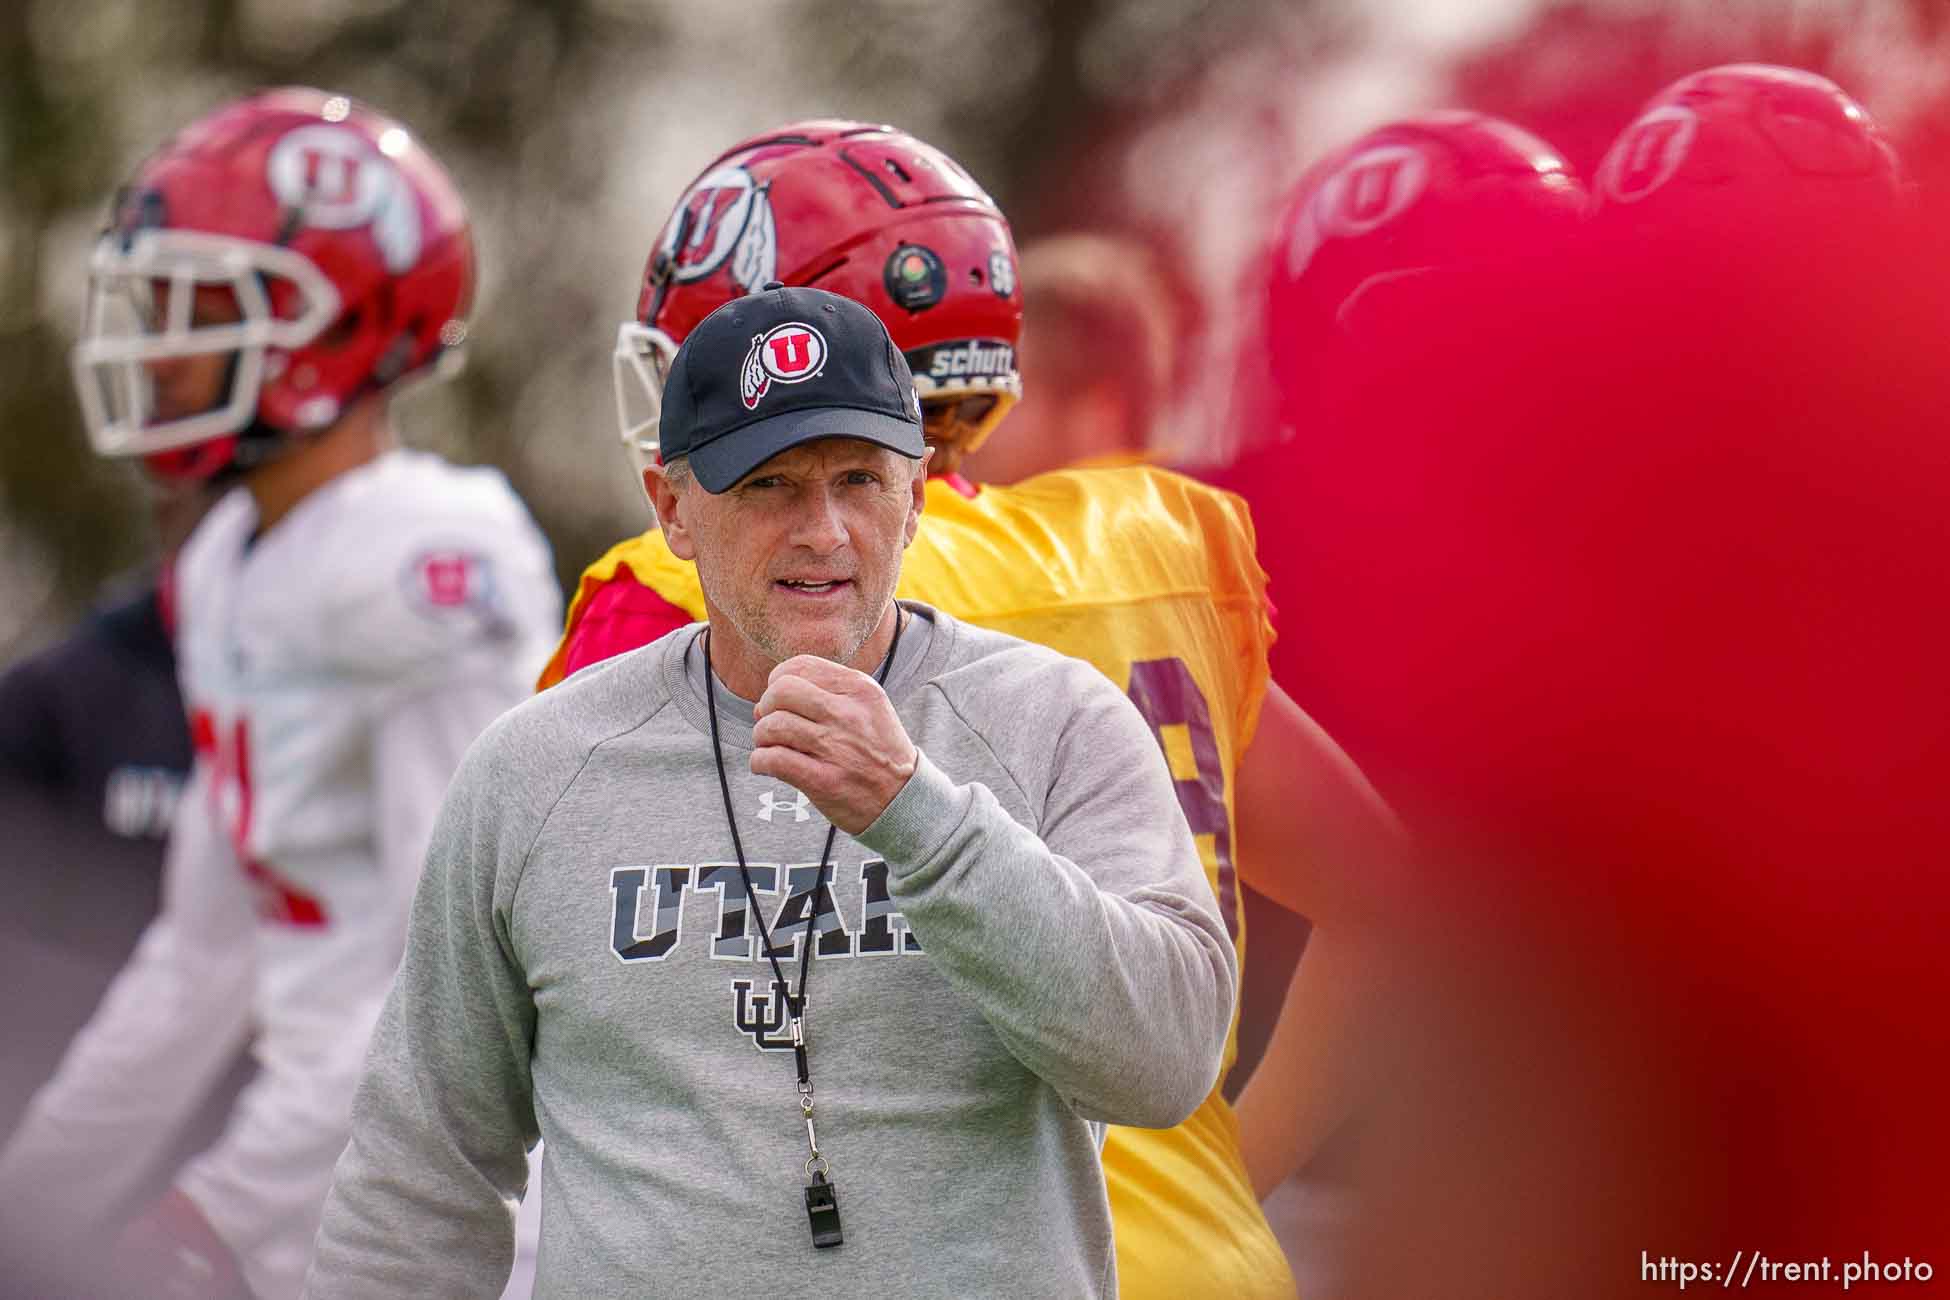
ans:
(257, 442)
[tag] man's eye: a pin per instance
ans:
(768, 481)
(862, 478)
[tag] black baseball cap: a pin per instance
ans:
(776, 368)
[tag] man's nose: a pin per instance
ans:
(817, 524)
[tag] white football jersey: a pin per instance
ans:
(335, 669)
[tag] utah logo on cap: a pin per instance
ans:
(790, 353)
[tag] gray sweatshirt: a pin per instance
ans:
(1021, 949)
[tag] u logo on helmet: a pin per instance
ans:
(726, 216)
(790, 354)
(340, 182)
(1376, 186)
(1649, 153)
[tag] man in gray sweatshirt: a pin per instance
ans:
(819, 941)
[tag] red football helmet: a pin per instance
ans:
(340, 245)
(861, 210)
(1436, 194)
(1747, 150)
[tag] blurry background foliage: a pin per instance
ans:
(572, 126)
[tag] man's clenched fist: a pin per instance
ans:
(830, 732)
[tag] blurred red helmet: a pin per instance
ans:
(1746, 151)
(341, 242)
(1364, 228)
(861, 210)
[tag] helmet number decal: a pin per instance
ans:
(1002, 273)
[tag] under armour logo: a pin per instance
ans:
(768, 803)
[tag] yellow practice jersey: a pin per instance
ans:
(1152, 577)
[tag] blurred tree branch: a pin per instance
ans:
(51, 487)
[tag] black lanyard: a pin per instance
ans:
(822, 1198)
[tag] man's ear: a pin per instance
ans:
(918, 501)
(667, 501)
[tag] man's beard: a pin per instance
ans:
(756, 624)
(775, 644)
